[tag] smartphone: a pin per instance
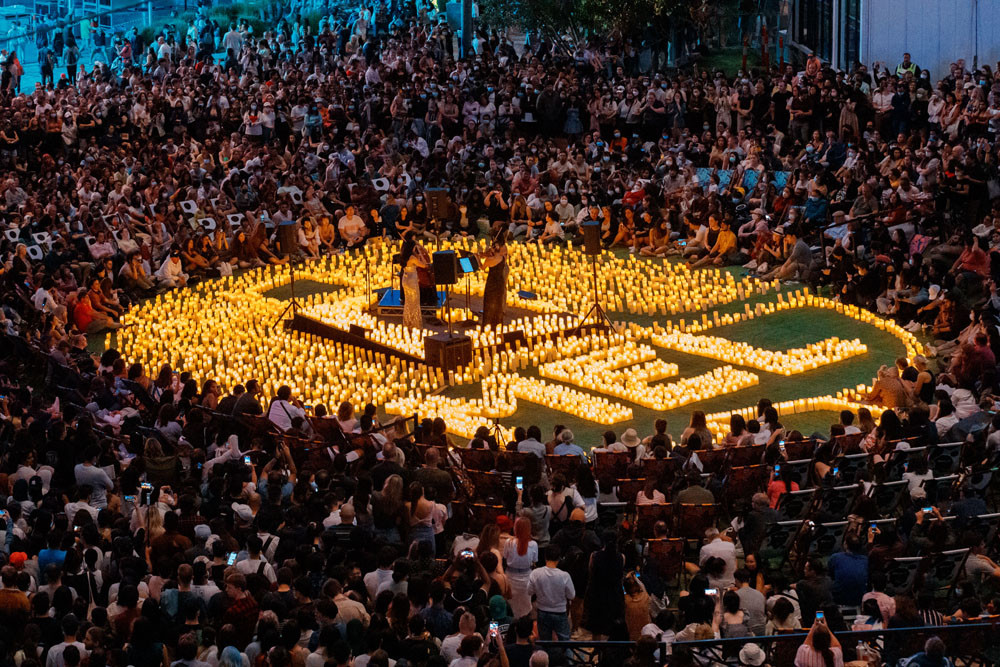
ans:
(777, 467)
(200, 465)
(130, 499)
(3, 514)
(712, 591)
(519, 482)
(466, 553)
(494, 628)
(928, 510)
(781, 446)
(232, 558)
(246, 460)
(836, 471)
(820, 616)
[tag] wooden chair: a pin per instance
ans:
(667, 556)
(902, 574)
(827, 538)
(611, 464)
(712, 460)
(487, 484)
(849, 444)
(888, 495)
(566, 464)
(646, 517)
(745, 456)
(421, 451)
(628, 489)
(693, 520)
(849, 465)
(477, 459)
(664, 471)
(524, 464)
(838, 500)
(799, 449)
(744, 481)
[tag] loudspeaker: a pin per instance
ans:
(591, 238)
(288, 238)
(445, 267)
(438, 204)
(448, 351)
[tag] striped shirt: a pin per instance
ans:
(807, 656)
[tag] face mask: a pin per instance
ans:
(705, 127)
(564, 201)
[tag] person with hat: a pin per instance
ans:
(567, 447)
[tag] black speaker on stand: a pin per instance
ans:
(592, 248)
(591, 238)
(287, 236)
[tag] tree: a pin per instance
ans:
(568, 22)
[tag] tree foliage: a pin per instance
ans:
(569, 22)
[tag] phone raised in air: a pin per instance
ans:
(232, 558)
(519, 482)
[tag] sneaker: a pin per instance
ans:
(752, 264)
(913, 327)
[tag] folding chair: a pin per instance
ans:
(778, 542)
(745, 456)
(488, 485)
(477, 459)
(902, 574)
(986, 525)
(628, 489)
(798, 468)
(945, 569)
(693, 520)
(42, 239)
(887, 495)
(979, 482)
(712, 460)
(664, 471)
(837, 501)
(794, 505)
(611, 515)
(610, 464)
(944, 459)
(745, 481)
(646, 517)
(667, 556)
(567, 464)
(899, 461)
(524, 464)
(938, 488)
(849, 465)
(850, 443)
(421, 450)
(799, 449)
(827, 538)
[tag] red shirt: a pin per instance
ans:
(83, 313)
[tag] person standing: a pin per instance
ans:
(414, 259)
(495, 292)
(553, 590)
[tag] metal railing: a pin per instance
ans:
(975, 643)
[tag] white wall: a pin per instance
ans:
(935, 32)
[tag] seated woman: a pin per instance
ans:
(193, 261)
(658, 242)
(723, 252)
(308, 238)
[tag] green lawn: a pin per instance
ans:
(781, 330)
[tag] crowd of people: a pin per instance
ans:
(147, 524)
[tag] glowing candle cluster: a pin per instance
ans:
(796, 360)
(718, 422)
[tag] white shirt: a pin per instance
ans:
(552, 588)
(55, 657)
(253, 566)
(281, 414)
(720, 548)
(374, 579)
(351, 227)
